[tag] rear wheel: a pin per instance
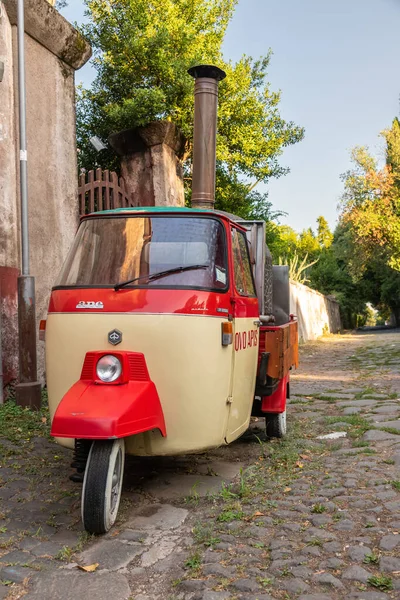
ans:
(275, 425)
(102, 485)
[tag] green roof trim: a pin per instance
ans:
(156, 209)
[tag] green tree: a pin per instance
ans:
(383, 287)
(234, 196)
(324, 234)
(142, 50)
(308, 244)
(287, 244)
(332, 276)
(371, 207)
(283, 242)
(392, 137)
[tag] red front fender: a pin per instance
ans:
(94, 411)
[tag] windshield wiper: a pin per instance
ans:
(118, 286)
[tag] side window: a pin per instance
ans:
(241, 264)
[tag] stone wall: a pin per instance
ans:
(317, 314)
(151, 163)
(53, 51)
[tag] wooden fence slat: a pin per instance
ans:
(99, 189)
(103, 190)
(81, 193)
(114, 181)
(91, 191)
(122, 192)
(107, 189)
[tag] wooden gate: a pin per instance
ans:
(102, 190)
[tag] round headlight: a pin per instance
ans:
(108, 368)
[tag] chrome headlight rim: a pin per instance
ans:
(108, 368)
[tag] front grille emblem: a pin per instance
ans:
(115, 337)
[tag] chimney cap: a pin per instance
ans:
(209, 71)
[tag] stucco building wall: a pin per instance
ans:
(317, 314)
(53, 51)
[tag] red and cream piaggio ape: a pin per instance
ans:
(158, 337)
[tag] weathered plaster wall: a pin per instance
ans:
(52, 169)
(53, 50)
(9, 209)
(317, 314)
(8, 197)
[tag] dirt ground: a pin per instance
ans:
(305, 518)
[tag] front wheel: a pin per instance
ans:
(275, 425)
(102, 485)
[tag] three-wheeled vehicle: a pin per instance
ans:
(159, 341)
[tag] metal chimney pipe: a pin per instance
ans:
(207, 78)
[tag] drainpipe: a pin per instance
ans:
(28, 390)
(207, 78)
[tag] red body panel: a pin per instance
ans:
(245, 307)
(276, 403)
(94, 410)
(159, 300)
(150, 301)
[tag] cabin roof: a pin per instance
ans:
(166, 209)
(151, 209)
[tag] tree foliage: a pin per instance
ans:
(362, 263)
(142, 51)
(288, 245)
(332, 276)
(324, 234)
(371, 205)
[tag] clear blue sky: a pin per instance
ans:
(337, 65)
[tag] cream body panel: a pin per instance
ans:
(245, 360)
(185, 359)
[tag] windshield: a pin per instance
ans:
(109, 251)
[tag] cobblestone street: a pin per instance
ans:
(307, 518)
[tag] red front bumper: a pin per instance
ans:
(94, 410)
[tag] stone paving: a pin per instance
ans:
(307, 518)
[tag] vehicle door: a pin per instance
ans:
(245, 313)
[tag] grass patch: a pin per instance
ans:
(318, 509)
(315, 542)
(84, 538)
(64, 554)
(193, 562)
(395, 485)
(265, 581)
(19, 424)
(336, 517)
(381, 582)
(390, 430)
(371, 559)
(194, 495)
(358, 425)
(365, 392)
(205, 535)
(389, 461)
(229, 515)
(360, 444)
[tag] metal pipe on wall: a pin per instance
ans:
(28, 390)
(207, 78)
(23, 158)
